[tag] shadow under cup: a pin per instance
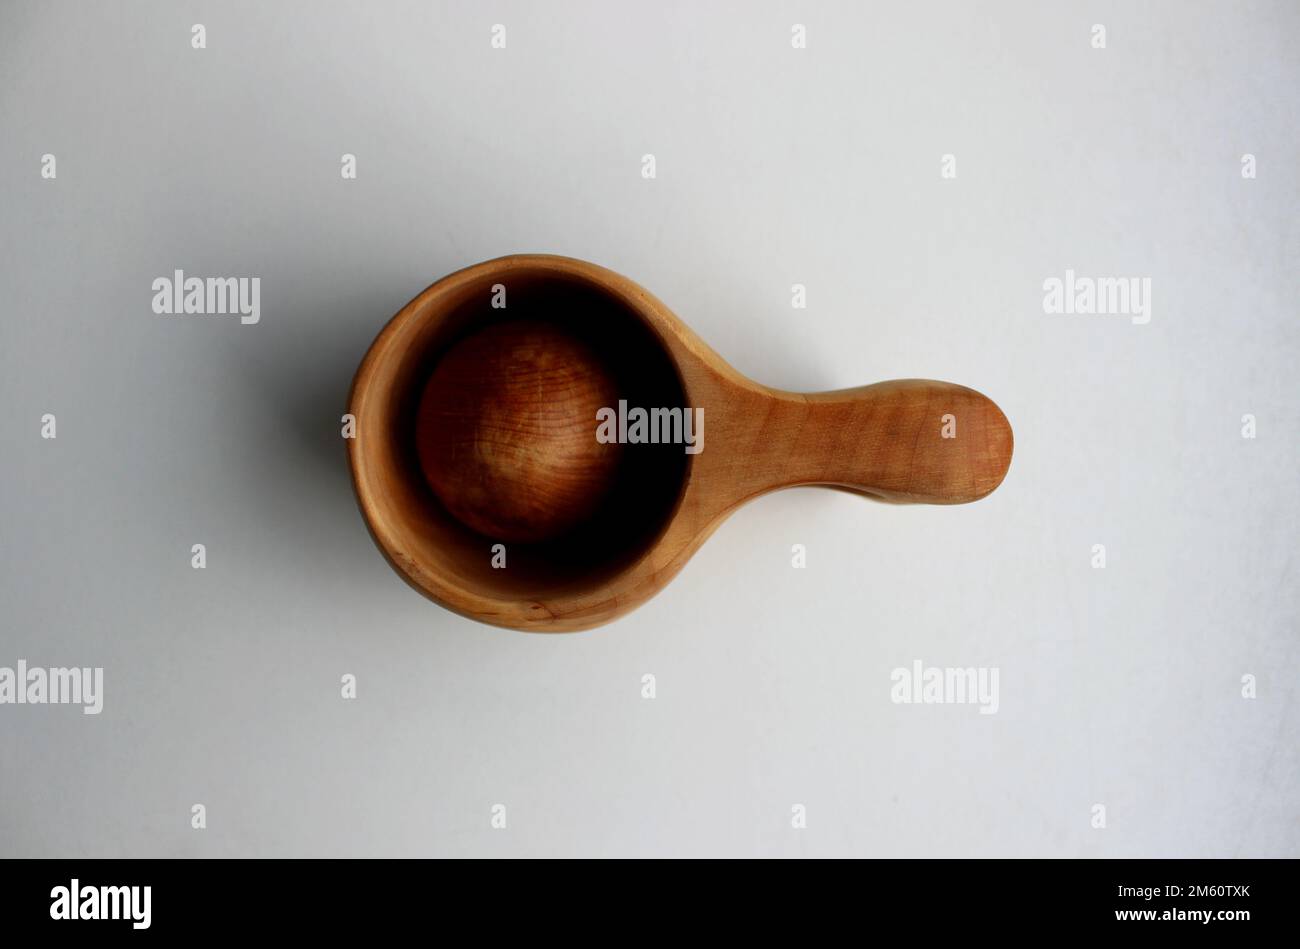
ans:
(427, 544)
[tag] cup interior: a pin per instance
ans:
(426, 543)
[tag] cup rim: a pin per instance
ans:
(565, 611)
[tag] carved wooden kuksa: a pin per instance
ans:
(503, 455)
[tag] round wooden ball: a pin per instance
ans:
(506, 431)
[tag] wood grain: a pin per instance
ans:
(505, 432)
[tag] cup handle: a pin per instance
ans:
(907, 440)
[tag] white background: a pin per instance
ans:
(775, 166)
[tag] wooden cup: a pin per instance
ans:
(909, 440)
